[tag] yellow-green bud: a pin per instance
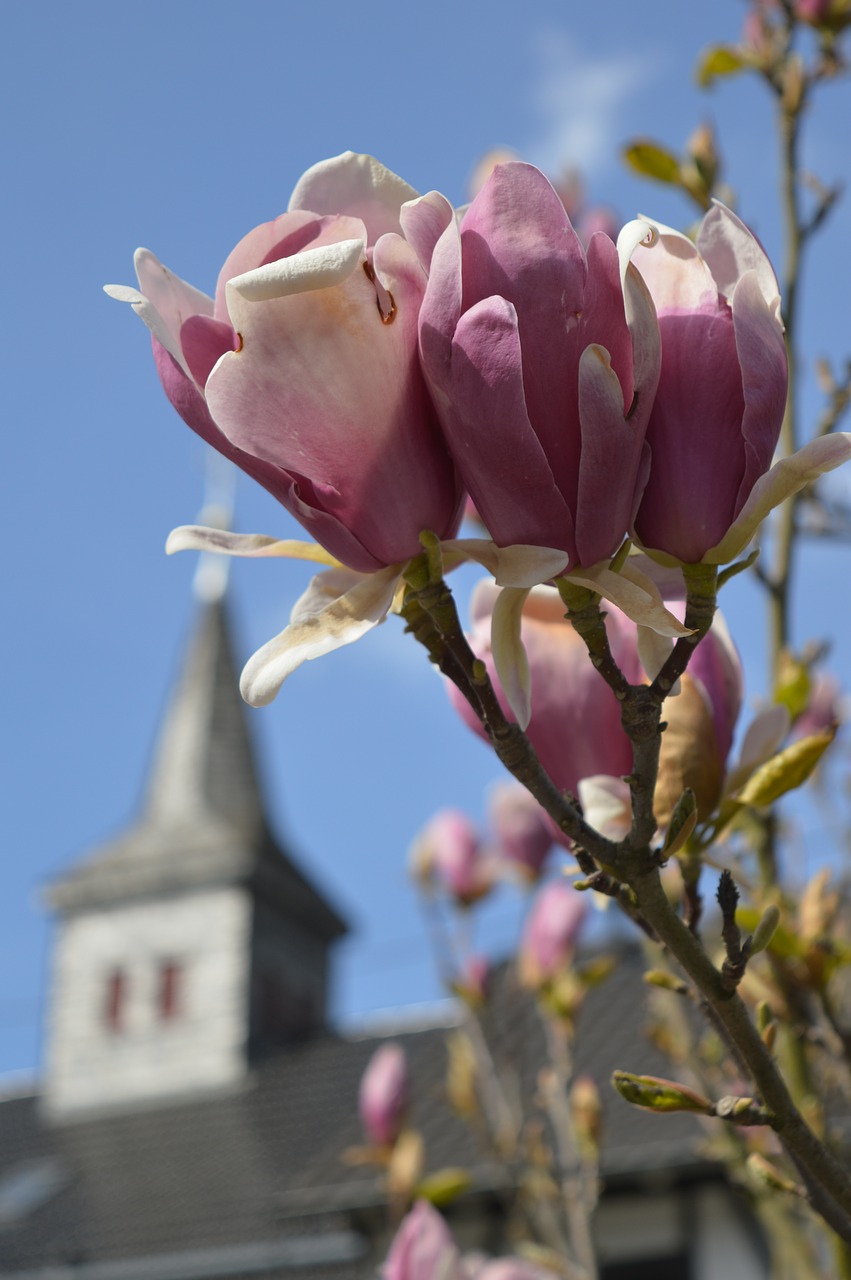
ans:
(764, 931)
(657, 1094)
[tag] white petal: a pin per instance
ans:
(509, 656)
(630, 236)
(632, 598)
(783, 480)
(730, 249)
(358, 185)
(764, 736)
(517, 566)
(193, 537)
(606, 805)
(311, 269)
(653, 652)
(424, 221)
(319, 627)
(163, 303)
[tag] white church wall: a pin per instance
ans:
(205, 934)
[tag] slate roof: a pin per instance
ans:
(256, 1175)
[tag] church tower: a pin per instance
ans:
(190, 944)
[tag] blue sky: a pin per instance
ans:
(180, 126)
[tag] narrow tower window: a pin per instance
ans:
(115, 1001)
(169, 996)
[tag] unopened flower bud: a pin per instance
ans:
(667, 981)
(472, 982)
(764, 931)
(794, 83)
(462, 1074)
(813, 12)
(764, 1171)
(384, 1094)
(422, 1248)
(766, 1024)
(523, 833)
(654, 1093)
(449, 851)
(682, 823)
(550, 934)
(586, 1110)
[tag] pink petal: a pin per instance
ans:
(730, 249)
(423, 222)
(518, 242)
(357, 185)
(503, 464)
(762, 358)
(604, 511)
(281, 237)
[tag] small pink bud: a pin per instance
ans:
(523, 832)
(449, 850)
(813, 11)
(549, 937)
(384, 1094)
(423, 1248)
(473, 981)
(824, 707)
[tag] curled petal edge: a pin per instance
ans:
(311, 269)
(785, 478)
(515, 566)
(633, 593)
(343, 620)
(194, 537)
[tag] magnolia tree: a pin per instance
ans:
(617, 411)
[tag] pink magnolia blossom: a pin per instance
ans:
(423, 1248)
(522, 829)
(511, 1269)
(825, 706)
(813, 11)
(543, 362)
(551, 931)
(304, 368)
(449, 850)
(473, 981)
(719, 406)
(383, 1094)
(575, 724)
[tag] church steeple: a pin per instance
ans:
(191, 941)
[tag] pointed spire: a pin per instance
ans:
(203, 767)
(203, 820)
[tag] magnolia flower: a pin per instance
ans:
(549, 937)
(449, 850)
(719, 406)
(423, 1248)
(473, 981)
(383, 1094)
(575, 720)
(543, 362)
(304, 371)
(522, 829)
(825, 706)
